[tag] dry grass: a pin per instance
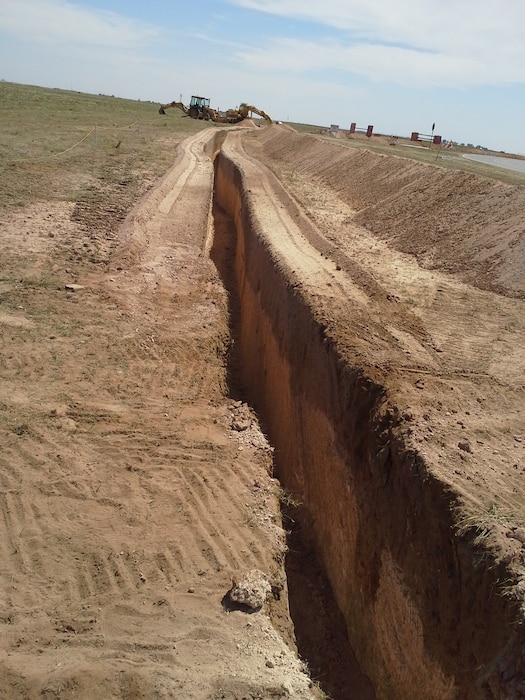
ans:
(54, 142)
(482, 522)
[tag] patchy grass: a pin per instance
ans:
(286, 499)
(481, 523)
(307, 128)
(54, 143)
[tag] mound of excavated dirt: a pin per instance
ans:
(449, 220)
(394, 396)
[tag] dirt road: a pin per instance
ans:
(386, 364)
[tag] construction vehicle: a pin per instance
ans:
(200, 109)
(245, 111)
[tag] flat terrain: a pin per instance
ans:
(135, 479)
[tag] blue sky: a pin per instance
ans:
(400, 65)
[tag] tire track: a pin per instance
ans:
(13, 529)
(129, 494)
(206, 514)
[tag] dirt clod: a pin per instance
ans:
(250, 589)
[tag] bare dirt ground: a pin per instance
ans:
(132, 486)
(434, 316)
(135, 482)
(441, 269)
(431, 310)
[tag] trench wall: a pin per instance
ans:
(412, 596)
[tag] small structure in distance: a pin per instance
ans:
(427, 138)
(354, 129)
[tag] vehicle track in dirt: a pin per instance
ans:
(465, 338)
(128, 498)
(401, 434)
(135, 482)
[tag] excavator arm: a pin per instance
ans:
(163, 108)
(245, 110)
(200, 109)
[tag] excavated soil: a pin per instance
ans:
(367, 312)
(393, 394)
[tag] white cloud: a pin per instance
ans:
(51, 21)
(404, 66)
(384, 19)
(453, 42)
(408, 21)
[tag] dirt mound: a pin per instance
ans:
(449, 220)
(394, 393)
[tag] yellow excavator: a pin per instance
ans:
(246, 111)
(199, 108)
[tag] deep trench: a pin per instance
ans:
(373, 563)
(319, 626)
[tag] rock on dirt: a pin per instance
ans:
(250, 589)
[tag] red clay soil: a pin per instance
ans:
(370, 309)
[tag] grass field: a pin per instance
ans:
(52, 142)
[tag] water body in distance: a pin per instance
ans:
(508, 163)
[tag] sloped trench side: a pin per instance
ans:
(417, 601)
(473, 226)
(319, 629)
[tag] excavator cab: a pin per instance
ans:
(197, 106)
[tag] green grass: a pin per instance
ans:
(306, 128)
(46, 134)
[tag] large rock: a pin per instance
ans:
(250, 589)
